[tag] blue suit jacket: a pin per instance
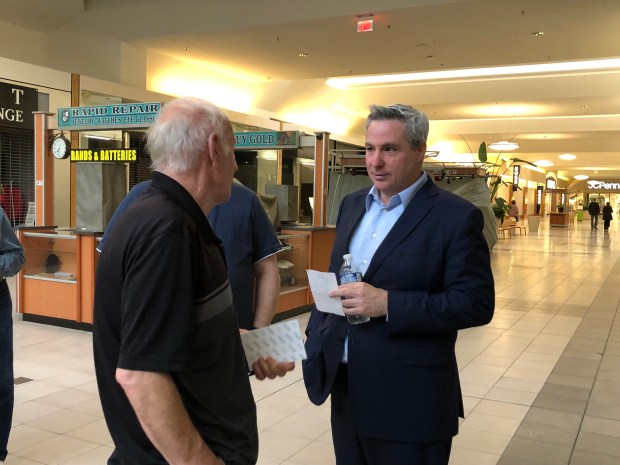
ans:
(402, 371)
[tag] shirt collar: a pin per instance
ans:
(403, 197)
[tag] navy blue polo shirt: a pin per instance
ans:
(248, 237)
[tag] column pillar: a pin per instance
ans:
(321, 168)
(43, 170)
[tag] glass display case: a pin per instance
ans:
(56, 284)
(304, 248)
(50, 256)
(292, 266)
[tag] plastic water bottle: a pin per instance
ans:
(349, 275)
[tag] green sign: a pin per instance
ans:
(108, 116)
(267, 140)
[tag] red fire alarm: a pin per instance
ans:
(365, 25)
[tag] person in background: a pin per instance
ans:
(514, 211)
(169, 362)
(250, 244)
(394, 382)
(607, 215)
(11, 261)
(594, 209)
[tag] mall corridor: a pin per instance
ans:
(541, 382)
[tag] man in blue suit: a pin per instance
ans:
(394, 384)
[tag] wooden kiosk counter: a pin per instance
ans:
(57, 283)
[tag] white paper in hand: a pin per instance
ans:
(282, 341)
(320, 284)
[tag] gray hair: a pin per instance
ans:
(181, 132)
(416, 122)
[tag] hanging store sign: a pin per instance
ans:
(516, 169)
(136, 115)
(551, 183)
(104, 155)
(16, 106)
(601, 185)
(539, 198)
(267, 140)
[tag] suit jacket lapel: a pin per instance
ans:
(349, 220)
(413, 215)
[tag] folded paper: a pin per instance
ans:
(282, 341)
(320, 285)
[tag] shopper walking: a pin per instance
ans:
(594, 209)
(11, 261)
(607, 215)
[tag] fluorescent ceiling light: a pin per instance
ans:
(544, 163)
(514, 70)
(503, 145)
(93, 136)
(581, 177)
(567, 156)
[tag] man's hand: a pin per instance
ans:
(362, 299)
(270, 368)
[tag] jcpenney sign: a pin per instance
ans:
(603, 185)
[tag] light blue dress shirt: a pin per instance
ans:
(375, 226)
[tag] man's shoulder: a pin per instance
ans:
(239, 190)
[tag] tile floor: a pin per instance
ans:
(541, 381)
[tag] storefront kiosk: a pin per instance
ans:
(56, 285)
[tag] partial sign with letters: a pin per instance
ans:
(16, 106)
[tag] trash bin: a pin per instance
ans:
(579, 215)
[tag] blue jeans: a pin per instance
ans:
(6, 367)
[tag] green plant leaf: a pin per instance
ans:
(482, 152)
(519, 160)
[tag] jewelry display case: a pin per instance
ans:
(56, 284)
(305, 248)
(292, 265)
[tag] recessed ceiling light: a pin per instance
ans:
(537, 33)
(512, 70)
(503, 145)
(303, 55)
(544, 163)
(567, 156)
(581, 177)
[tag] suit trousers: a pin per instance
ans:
(352, 448)
(6, 367)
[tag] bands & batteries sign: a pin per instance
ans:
(16, 106)
(107, 155)
(108, 116)
(267, 140)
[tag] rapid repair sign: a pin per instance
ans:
(108, 116)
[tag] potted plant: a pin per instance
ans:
(500, 208)
(496, 178)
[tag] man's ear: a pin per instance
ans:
(421, 152)
(214, 147)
